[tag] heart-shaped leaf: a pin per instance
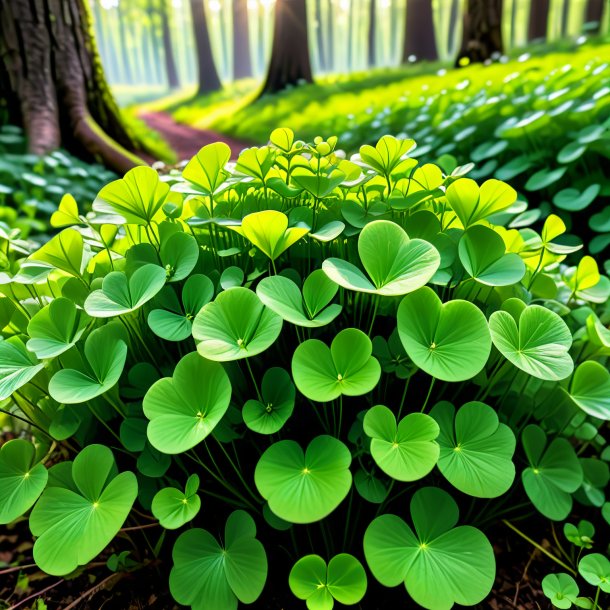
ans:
(235, 325)
(310, 309)
(136, 198)
(80, 512)
(179, 254)
(590, 389)
(561, 589)
(538, 345)
(278, 394)
(106, 353)
(120, 295)
(553, 475)
(595, 569)
(483, 253)
(56, 328)
(395, 263)
(388, 154)
(22, 480)
(185, 408)
(475, 449)
(175, 323)
(65, 251)
(319, 478)
(344, 580)
(174, 507)
(67, 213)
(17, 366)
(407, 451)
(440, 564)
(269, 232)
(347, 367)
(206, 170)
(209, 576)
(448, 341)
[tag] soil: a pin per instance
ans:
(185, 140)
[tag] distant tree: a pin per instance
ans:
(419, 38)
(482, 30)
(124, 55)
(54, 85)
(242, 64)
(208, 79)
(372, 39)
(595, 13)
(330, 55)
(320, 40)
(290, 62)
(168, 47)
(539, 19)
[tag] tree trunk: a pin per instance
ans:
(170, 62)
(154, 35)
(482, 33)
(289, 63)
(330, 55)
(371, 33)
(125, 54)
(594, 14)
(565, 17)
(321, 42)
(54, 85)
(419, 32)
(539, 20)
(242, 65)
(208, 78)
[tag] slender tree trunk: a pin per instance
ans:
(208, 78)
(372, 39)
(170, 61)
(539, 19)
(290, 62)
(350, 37)
(99, 29)
(54, 85)
(330, 55)
(565, 17)
(321, 42)
(482, 33)
(419, 32)
(594, 14)
(125, 55)
(154, 36)
(242, 64)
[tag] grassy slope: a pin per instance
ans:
(342, 104)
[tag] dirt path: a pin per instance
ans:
(185, 140)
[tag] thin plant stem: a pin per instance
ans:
(404, 395)
(36, 594)
(258, 393)
(428, 395)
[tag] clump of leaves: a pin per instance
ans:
(352, 368)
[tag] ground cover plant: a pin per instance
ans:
(537, 121)
(302, 374)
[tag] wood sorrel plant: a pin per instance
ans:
(317, 370)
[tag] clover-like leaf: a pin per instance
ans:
(209, 576)
(310, 309)
(17, 366)
(347, 367)
(66, 213)
(388, 155)
(553, 475)
(344, 580)
(269, 232)
(235, 325)
(561, 589)
(538, 345)
(106, 353)
(206, 170)
(120, 294)
(475, 449)
(407, 451)
(56, 328)
(580, 535)
(136, 198)
(395, 263)
(595, 569)
(449, 341)
(278, 394)
(179, 254)
(440, 564)
(174, 507)
(22, 479)
(65, 251)
(185, 408)
(483, 254)
(319, 478)
(590, 389)
(81, 511)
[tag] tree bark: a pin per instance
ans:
(208, 78)
(594, 14)
(53, 84)
(170, 61)
(290, 62)
(539, 20)
(330, 55)
(320, 40)
(482, 33)
(371, 33)
(419, 32)
(242, 64)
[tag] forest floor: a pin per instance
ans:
(186, 140)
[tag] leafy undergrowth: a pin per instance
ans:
(298, 379)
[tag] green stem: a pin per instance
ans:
(596, 600)
(375, 307)
(428, 395)
(404, 395)
(260, 396)
(237, 472)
